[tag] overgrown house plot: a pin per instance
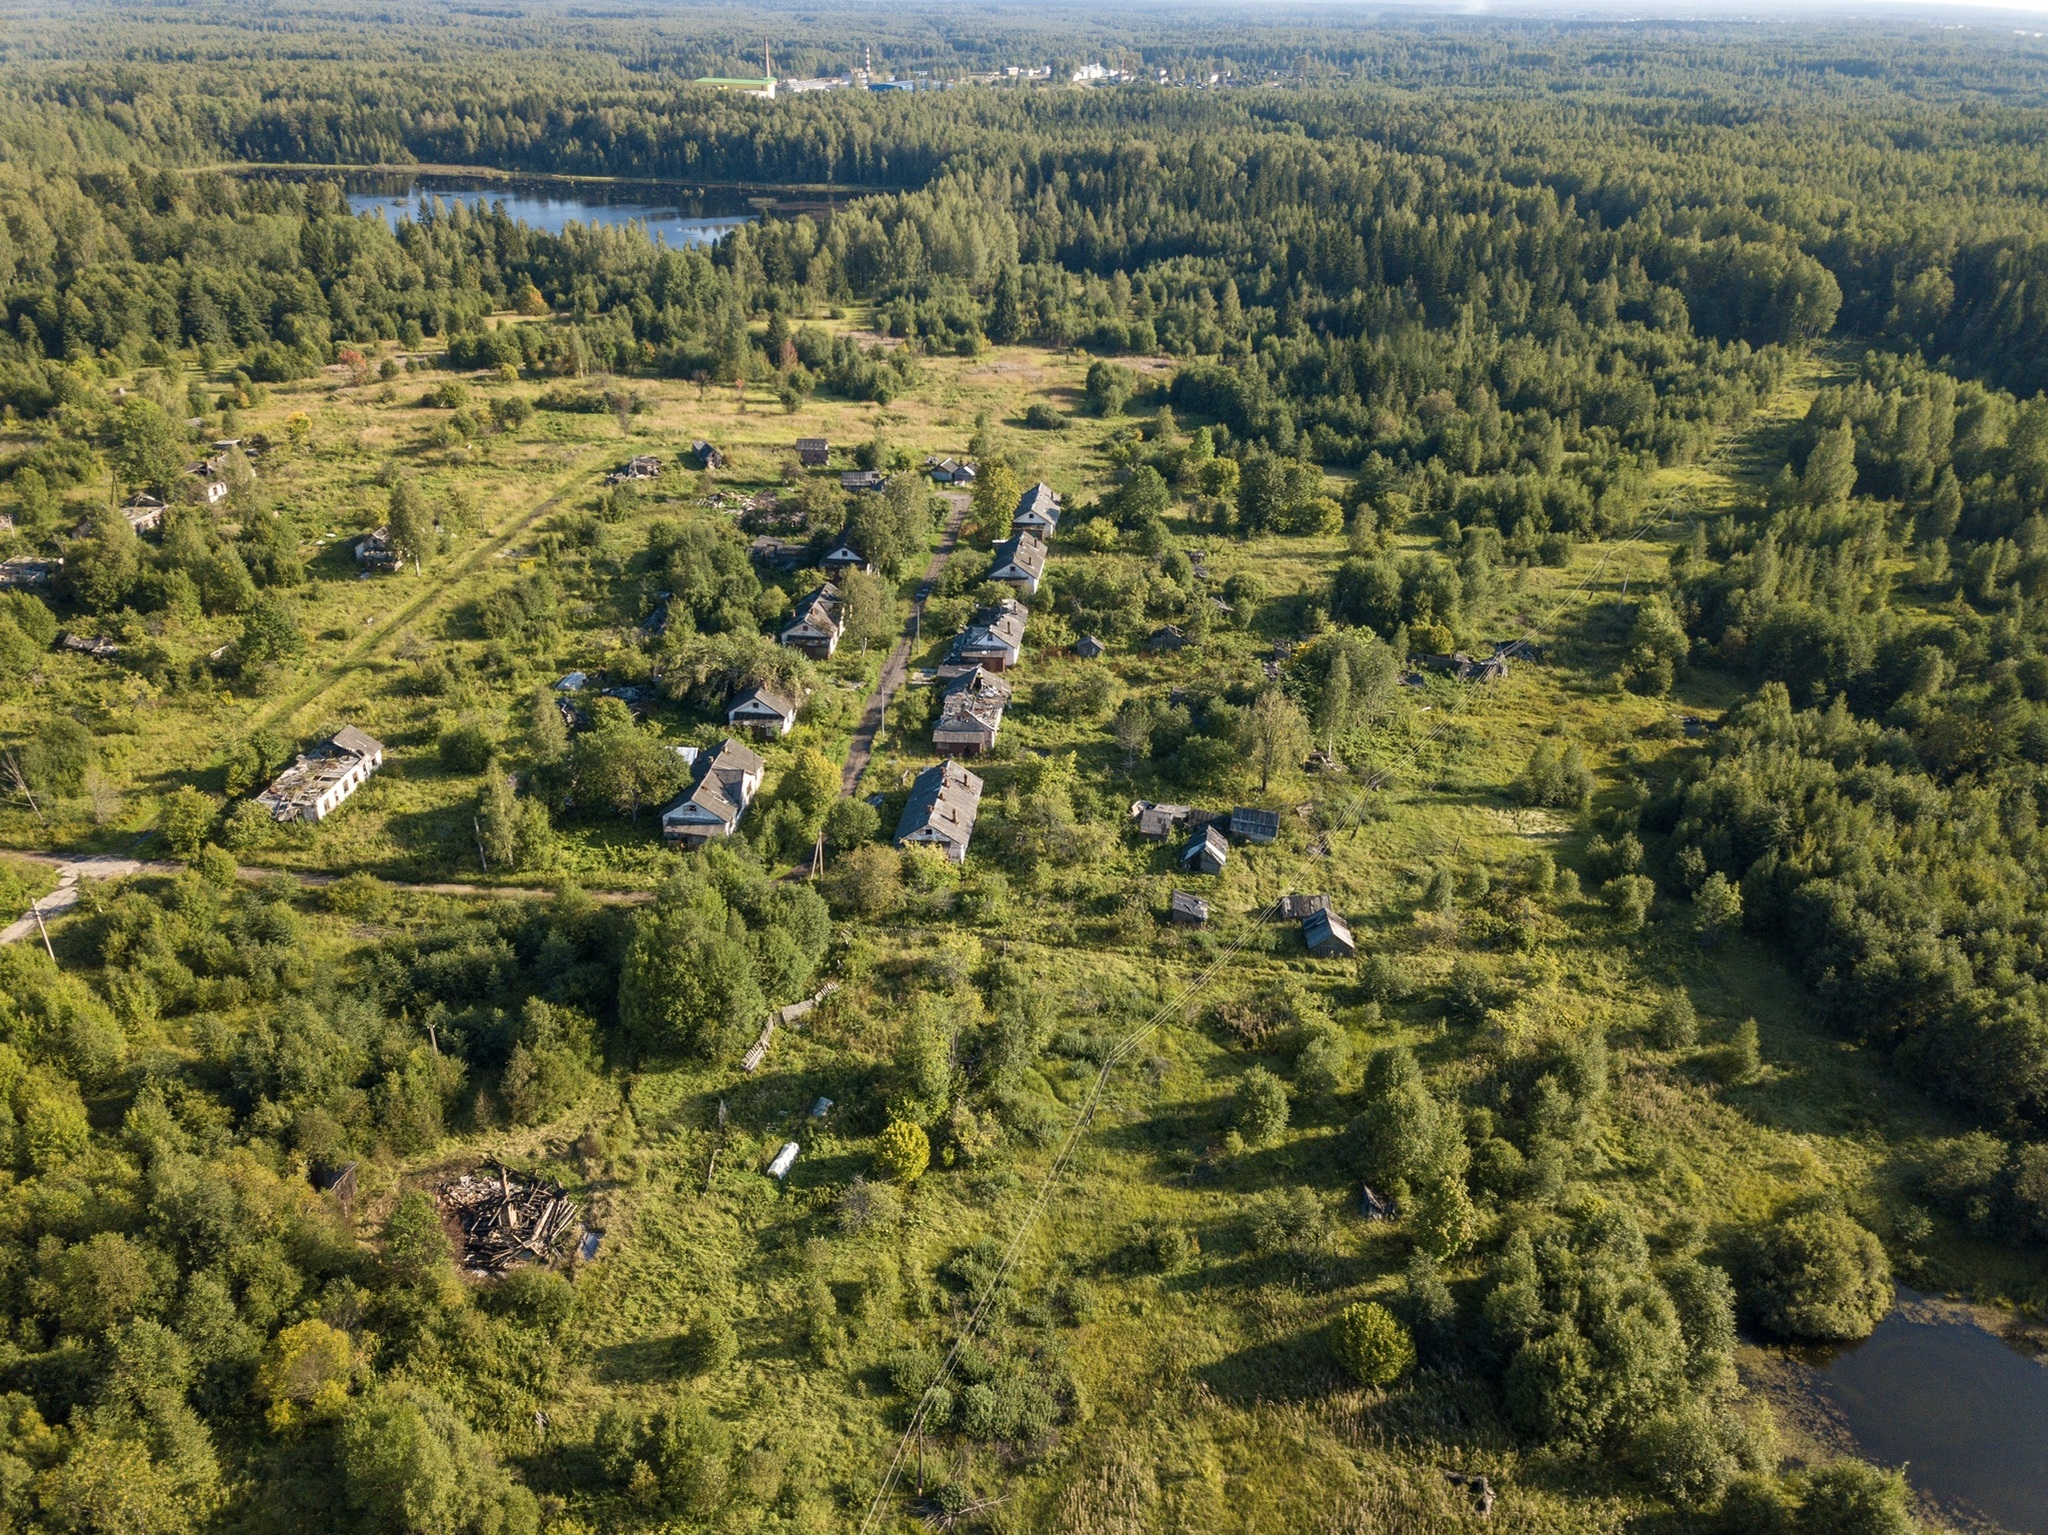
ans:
(1488, 910)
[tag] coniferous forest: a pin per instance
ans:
(1501, 925)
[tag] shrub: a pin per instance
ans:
(1682, 1454)
(709, 1344)
(1289, 1221)
(186, 820)
(1168, 1248)
(1817, 1274)
(1629, 897)
(1382, 979)
(467, 747)
(1741, 1058)
(1674, 1025)
(1851, 1498)
(866, 1204)
(903, 1151)
(1044, 418)
(1259, 1106)
(1372, 1345)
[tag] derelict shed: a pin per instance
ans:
(1206, 852)
(1327, 935)
(1252, 825)
(1187, 910)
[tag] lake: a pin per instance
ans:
(1961, 1409)
(681, 218)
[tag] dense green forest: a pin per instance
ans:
(1406, 332)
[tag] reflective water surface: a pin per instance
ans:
(683, 218)
(1962, 1410)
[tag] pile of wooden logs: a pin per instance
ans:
(508, 1221)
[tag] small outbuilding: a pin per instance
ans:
(1088, 647)
(1187, 910)
(1206, 852)
(1248, 824)
(1299, 908)
(1327, 935)
(1158, 821)
(854, 481)
(707, 456)
(762, 711)
(813, 452)
(1169, 637)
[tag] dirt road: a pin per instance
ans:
(897, 667)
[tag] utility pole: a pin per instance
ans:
(21, 783)
(36, 908)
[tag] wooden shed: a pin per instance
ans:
(1188, 910)
(1206, 853)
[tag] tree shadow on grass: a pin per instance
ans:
(639, 1361)
(1292, 1369)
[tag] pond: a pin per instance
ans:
(673, 216)
(1963, 1411)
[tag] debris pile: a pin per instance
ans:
(508, 1221)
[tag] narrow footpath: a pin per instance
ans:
(897, 667)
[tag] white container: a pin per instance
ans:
(785, 1159)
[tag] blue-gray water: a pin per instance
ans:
(688, 220)
(1963, 1411)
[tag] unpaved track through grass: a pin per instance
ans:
(435, 588)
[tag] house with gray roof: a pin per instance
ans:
(1038, 511)
(944, 801)
(1019, 563)
(727, 781)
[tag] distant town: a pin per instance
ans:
(865, 76)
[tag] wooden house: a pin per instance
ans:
(855, 481)
(707, 456)
(815, 623)
(970, 714)
(1169, 637)
(1206, 852)
(1038, 512)
(726, 783)
(1327, 936)
(944, 801)
(995, 639)
(844, 555)
(1187, 910)
(813, 452)
(762, 711)
(1088, 647)
(1019, 563)
(775, 553)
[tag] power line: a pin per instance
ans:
(1136, 1037)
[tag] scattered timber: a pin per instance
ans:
(508, 1220)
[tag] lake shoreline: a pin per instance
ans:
(1930, 1364)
